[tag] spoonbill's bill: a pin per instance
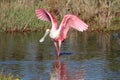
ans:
(58, 34)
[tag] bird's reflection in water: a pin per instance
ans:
(59, 71)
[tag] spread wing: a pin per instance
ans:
(46, 16)
(72, 21)
(43, 15)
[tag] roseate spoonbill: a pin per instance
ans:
(58, 34)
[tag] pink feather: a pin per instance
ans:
(68, 21)
(59, 34)
(46, 16)
(73, 22)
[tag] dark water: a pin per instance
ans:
(85, 56)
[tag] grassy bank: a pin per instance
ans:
(8, 77)
(19, 15)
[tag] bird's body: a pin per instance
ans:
(58, 34)
(54, 34)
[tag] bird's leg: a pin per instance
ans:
(57, 48)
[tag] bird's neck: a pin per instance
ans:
(54, 27)
(54, 32)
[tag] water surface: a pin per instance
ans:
(85, 56)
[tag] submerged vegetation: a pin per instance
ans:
(19, 15)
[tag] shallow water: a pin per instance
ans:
(85, 56)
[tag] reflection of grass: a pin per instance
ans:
(8, 77)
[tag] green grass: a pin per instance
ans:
(19, 15)
(8, 77)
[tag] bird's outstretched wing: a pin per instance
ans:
(72, 21)
(45, 15)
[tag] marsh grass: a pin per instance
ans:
(19, 15)
(97, 13)
(8, 77)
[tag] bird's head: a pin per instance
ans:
(46, 33)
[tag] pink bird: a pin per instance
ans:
(59, 34)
